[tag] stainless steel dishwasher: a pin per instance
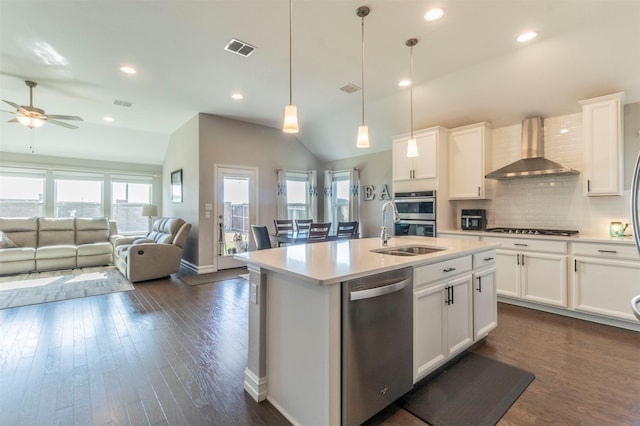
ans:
(377, 343)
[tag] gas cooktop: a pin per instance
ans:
(533, 231)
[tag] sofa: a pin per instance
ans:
(155, 255)
(36, 244)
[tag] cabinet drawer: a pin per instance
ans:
(486, 258)
(441, 270)
(522, 244)
(614, 251)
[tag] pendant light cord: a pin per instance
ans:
(411, 87)
(363, 70)
(290, 52)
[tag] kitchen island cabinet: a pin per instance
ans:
(294, 348)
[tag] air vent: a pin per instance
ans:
(122, 103)
(239, 47)
(350, 88)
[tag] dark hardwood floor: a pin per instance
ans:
(168, 353)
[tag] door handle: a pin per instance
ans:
(378, 291)
(448, 269)
(479, 284)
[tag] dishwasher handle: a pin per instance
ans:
(379, 291)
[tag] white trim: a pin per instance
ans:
(255, 386)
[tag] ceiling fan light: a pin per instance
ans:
(290, 124)
(32, 122)
(363, 137)
(412, 148)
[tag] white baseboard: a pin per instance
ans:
(255, 386)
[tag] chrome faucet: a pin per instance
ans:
(384, 235)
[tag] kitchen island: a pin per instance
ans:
(294, 348)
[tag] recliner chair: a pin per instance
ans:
(155, 255)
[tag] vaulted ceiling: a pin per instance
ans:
(467, 67)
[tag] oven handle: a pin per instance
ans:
(379, 291)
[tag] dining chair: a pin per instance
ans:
(302, 225)
(319, 232)
(347, 230)
(261, 236)
(283, 226)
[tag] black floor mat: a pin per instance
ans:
(474, 391)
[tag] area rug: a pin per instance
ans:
(212, 277)
(42, 287)
(474, 391)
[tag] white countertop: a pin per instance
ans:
(580, 238)
(336, 261)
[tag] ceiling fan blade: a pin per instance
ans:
(65, 117)
(13, 120)
(60, 123)
(20, 109)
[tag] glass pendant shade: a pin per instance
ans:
(363, 137)
(412, 148)
(290, 124)
(32, 122)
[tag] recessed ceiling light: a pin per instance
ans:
(237, 96)
(564, 130)
(127, 69)
(434, 14)
(524, 37)
(108, 119)
(404, 83)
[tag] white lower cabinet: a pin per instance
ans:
(485, 308)
(443, 313)
(605, 279)
(532, 270)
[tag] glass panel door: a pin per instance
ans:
(235, 213)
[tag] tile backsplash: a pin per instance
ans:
(547, 202)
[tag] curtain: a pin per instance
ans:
(354, 195)
(328, 196)
(281, 194)
(313, 194)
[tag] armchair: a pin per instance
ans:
(154, 255)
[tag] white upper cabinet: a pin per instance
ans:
(603, 146)
(469, 152)
(421, 172)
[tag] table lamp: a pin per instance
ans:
(149, 210)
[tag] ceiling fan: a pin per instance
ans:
(33, 117)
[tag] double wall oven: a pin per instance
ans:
(417, 212)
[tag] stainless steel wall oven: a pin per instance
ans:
(417, 212)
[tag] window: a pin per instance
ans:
(340, 198)
(128, 195)
(298, 206)
(21, 193)
(78, 195)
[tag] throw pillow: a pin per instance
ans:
(5, 242)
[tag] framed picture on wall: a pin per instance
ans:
(176, 186)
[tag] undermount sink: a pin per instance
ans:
(409, 250)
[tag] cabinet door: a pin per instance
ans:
(485, 303)
(426, 164)
(466, 164)
(402, 165)
(544, 278)
(606, 287)
(428, 330)
(459, 315)
(602, 134)
(508, 273)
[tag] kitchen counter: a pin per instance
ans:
(582, 238)
(294, 347)
(337, 261)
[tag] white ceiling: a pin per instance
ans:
(467, 67)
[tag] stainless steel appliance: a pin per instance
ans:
(417, 211)
(473, 219)
(377, 343)
(534, 231)
(635, 224)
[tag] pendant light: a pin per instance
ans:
(290, 124)
(412, 146)
(363, 131)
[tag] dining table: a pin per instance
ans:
(296, 238)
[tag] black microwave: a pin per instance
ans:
(473, 219)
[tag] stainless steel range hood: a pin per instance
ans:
(533, 163)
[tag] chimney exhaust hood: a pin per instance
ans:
(533, 163)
